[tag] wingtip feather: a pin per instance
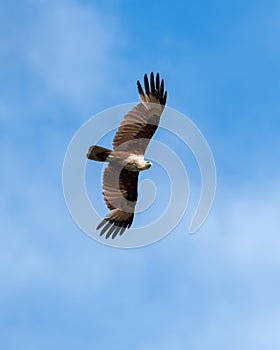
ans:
(102, 223)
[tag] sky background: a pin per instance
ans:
(64, 61)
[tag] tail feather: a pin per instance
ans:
(98, 153)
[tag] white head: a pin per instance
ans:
(137, 163)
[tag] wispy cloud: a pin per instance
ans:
(216, 289)
(60, 52)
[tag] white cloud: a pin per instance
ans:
(61, 52)
(70, 47)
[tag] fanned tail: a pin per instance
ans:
(97, 153)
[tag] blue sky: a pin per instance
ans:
(64, 61)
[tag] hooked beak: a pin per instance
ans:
(148, 164)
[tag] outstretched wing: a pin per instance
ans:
(141, 122)
(120, 195)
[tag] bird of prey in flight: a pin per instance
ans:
(126, 160)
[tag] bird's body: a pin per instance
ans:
(126, 160)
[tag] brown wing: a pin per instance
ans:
(141, 122)
(120, 195)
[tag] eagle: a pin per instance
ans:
(126, 159)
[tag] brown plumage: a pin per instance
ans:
(141, 122)
(126, 160)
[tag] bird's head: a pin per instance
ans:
(148, 164)
(143, 164)
(138, 164)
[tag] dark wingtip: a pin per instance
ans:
(105, 228)
(161, 90)
(152, 82)
(164, 98)
(122, 230)
(157, 81)
(102, 223)
(154, 87)
(117, 230)
(113, 228)
(140, 90)
(146, 84)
